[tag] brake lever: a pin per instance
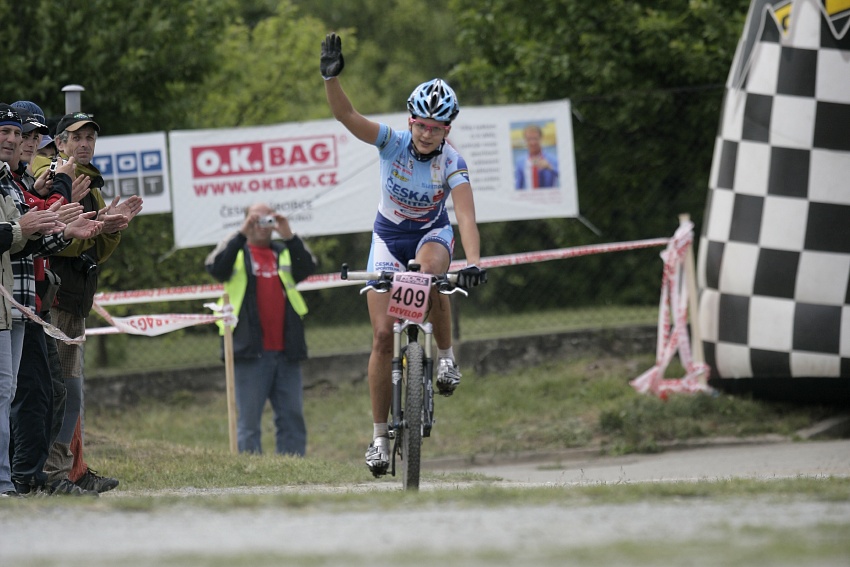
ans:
(453, 290)
(446, 287)
(383, 285)
(380, 287)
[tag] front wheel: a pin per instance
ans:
(411, 441)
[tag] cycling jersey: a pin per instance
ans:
(412, 209)
(414, 193)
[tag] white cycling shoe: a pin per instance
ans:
(448, 376)
(378, 456)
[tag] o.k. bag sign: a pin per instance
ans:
(327, 182)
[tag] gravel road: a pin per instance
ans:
(667, 532)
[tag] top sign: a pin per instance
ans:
(135, 165)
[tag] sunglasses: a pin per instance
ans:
(421, 127)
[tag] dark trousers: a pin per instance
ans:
(31, 417)
(59, 392)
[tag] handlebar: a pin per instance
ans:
(382, 282)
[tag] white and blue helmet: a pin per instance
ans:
(434, 99)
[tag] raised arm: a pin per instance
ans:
(331, 66)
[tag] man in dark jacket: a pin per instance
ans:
(78, 267)
(259, 277)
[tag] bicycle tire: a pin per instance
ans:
(411, 441)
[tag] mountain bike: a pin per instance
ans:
(412, 409)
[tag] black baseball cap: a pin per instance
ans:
(9, 116)
(74, 121)
(30, 122)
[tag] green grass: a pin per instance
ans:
(585, 403)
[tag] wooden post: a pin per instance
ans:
(229, 380)
(693, 298)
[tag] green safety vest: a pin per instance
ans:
(237, 284)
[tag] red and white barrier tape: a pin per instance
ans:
(323, 281)
(561, 253)
(48, 328)
(152, 325)
(674, 298)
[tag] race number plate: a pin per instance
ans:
(409, 296)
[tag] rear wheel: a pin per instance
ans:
(411, 442)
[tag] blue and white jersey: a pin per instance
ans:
(414, 193)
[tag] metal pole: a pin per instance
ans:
(73, 100)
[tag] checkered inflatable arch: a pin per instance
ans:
(774, 252)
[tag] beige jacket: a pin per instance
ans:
(11, 241)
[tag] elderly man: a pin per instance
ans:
(36, 231)
(31, 415)
(78, 267)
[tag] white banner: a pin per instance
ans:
(326, 181)
(135, 164)
(155, 325)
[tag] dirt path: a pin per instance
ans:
(692, 531)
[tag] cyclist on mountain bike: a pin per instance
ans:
(419, 170)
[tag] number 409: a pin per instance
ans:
(410, 297)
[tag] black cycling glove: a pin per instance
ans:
(332, 61)
(471, 276)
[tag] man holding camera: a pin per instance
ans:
(260, 277)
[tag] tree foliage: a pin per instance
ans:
(574, 49)
(135, 59)
(267, 73)
(141, 64)
(643, 79)
(400, 43)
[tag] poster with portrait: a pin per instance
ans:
(535, 153)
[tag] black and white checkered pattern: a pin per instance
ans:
(774, 253)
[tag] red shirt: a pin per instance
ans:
(271, 297)
(38, 262)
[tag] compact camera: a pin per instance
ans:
(51, 173)
(267, 221)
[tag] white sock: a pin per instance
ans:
(380, 430)
(446, 353)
